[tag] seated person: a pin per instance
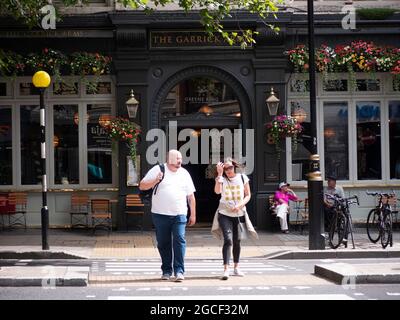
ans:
(282, 197)
(331, 189)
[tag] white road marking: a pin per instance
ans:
(224, 288)
(120, 289)
(164, 289)
(393, 293)
(263, 288)
(90, 296)
(358, 294)
(192, 269)
(239, 297)
(302, 287)
(143, 289)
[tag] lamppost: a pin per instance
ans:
(41, 80)
(315, 192)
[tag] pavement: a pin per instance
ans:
(23, 247)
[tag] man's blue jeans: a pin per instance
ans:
(170, 234)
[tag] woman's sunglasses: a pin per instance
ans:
(228, 168)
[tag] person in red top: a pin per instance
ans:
(282, 197)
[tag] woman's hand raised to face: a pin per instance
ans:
(220, 168)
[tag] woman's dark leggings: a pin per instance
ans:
(229, 226)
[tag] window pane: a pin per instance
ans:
(201, 96)
(31, 172)
(368, 141)
(394, 139)
(336, 140)
(65, 89)
(301, 153)
(99, 88)
(66, 145)
(99, 145)
(5, 146)
(300, 86)
(3, 89)
(335, 85)
(368, 85)
(28, 89)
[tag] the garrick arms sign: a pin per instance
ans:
(187, 39)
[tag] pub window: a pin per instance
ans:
(65, 89)
(336, 141)
(394, 139)
(5, 146)
(368, 140)
(337, 85)
(66, 144)
(99, 88)
(98, 144)
(3, 89)
(299, 85)
(30, 145)
(202, 96)
(301, 153)
(395, 84)
(28, 89)
(368, 85)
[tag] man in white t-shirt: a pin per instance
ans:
(169, 210)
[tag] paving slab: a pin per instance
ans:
(344, 273)
(44, 276)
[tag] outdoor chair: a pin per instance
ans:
(17, 209)
(101, 214)
(301, 210)
(3, 208)
(79, 211)
(134, 207)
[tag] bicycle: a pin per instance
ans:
(380, 220)
(342, 223)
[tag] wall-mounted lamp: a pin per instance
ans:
(272, 103)
(132, 105)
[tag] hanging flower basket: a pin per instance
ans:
(57, 64)
(48, 60)
(11, 64)
(121, 129)
(359, 56)
(281, 127)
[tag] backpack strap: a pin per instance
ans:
(162, 168)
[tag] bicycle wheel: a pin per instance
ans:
(337, 231)
(386, 231)
(373, 225)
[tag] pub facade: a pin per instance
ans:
(183, 77)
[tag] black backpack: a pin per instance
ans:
(146, 195)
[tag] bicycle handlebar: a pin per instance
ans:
(387, 195)
(339, 199)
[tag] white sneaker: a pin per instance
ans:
(179, 277)
(225, 276)
(165, 276)
(238, 273)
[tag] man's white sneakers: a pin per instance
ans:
(179, 277)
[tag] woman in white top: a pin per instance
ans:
(235, 194)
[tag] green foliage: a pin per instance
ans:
(375, 13)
